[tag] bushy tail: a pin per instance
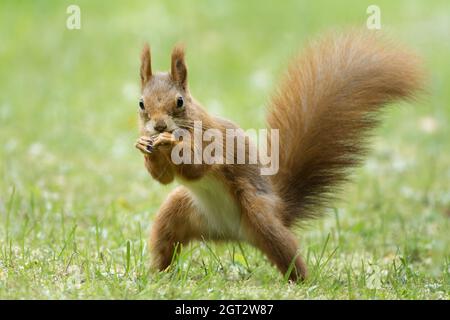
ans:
(325, 107)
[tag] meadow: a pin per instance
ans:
(76, 203)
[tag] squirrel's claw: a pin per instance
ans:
(147, 145)
(163, 139)
(144, 144)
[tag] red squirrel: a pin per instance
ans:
(324, 109)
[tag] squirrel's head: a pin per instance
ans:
(165, 101)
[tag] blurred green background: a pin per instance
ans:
(76, 202)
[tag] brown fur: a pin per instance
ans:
(324, 109)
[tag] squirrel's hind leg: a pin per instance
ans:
(266, 232)
(176, 224)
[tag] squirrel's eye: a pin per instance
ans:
(180, 102)
(141, 104)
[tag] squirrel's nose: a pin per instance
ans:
(160, 125)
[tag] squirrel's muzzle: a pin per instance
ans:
(160, 125)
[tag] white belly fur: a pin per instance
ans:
(216, 205)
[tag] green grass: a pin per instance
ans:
(76, 203)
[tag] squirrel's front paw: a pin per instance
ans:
(144, 144)
(163, 139)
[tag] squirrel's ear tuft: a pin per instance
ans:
(179, 69)
(146, 65)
